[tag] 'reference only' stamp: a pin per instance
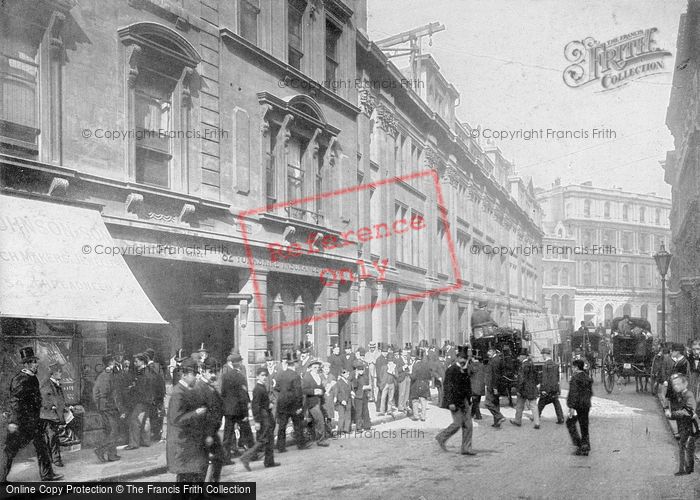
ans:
(327, 246)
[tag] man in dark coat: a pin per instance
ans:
(495, 386)
(343, 402)
(549, 387)
(52, 416)
(419, 393)
(360, 390)
(212, 401)
(313, 389)
(141, 395)
(156, 411)
(380, 372)
(107, 397)
(336, 361)
(457, 398)
(579, 403)
(264, 423)
(437, 371)
(289, 405)
(185, 449)
(478, 381)
(482, 317)
(682, 411)
(234, 392)
(348, 357)
(23, 419)
(680, 365)
(527, 390)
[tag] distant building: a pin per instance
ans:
(597, 255)
(683, 174)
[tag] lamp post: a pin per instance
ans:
(663, 260)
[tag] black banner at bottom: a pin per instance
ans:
(135, 491)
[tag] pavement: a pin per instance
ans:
(83, 466)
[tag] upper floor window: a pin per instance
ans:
(625, 212)
(586, 208)
(587, 274)
(295, 175)
(658, 216)
(606, 210)
(295, 32)
(607, 275)
(642, 214)
(643, 242)
(333, 33)
(248, 11)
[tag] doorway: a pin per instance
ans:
(218, 330)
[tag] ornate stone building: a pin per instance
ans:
(597, 255)
(682, 172)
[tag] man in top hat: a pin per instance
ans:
(305, 358)
(234, 392)
(348, 358)
(52, 416)
(175, 363)
(157, 410)
(380, 364)
(273, 369)
(141, 396)
(420, 378)
(437, 370)
(185, 447)
(457, 398)
(527, 390)
(212, 401)
(360, 390)
(371, 357)
(495, 386)
(314, 390)
(290, 403)
(336, 361)
(549, 387)
(107, 397)
(23, 418)
(264, 423)
(482, 317)
(403, 378)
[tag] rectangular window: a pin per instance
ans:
(333, 33)
(416, 241)
(295, 177)
(19, 82)
(153, 94)
(248, 19)
(318, 201)
(401, 254)
(295, 33)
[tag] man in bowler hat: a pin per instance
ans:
(52, 416)
(290, 404)
(23, 419)
(457, 395)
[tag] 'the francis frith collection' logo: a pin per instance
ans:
(615, 62)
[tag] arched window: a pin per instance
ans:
(607, 275)
(586, 208)
(589, 313)
(606, 210)
(555, 304)
(587, 274)
(644, 311)
(625, 275)
(608, 315)
(565, 305)
(565, 277)
(627, 309)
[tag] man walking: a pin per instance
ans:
(209, 398)
(264, 423)
(107, 396)
(579, 403)
(527, 390)
(289, 405)
(185, 450)
(52, 416)
(23, 419)
(549, 387)
(682, 411)
(457, 398)
(234, 392)
(495, 387)
(313, 389)
(156, 411)
(477, 378)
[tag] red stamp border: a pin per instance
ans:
(360, 187)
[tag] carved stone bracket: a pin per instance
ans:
(59, 187)
(58, 20)
(134, 203)
(187, 74)
(264, 122)
(187, 212)
(367, 101)
(133, 57)
(387, 120)
(288, 234)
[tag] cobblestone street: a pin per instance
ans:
(634, 456)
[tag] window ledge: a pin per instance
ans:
(291, 221)
(286, 71)
(410, 267)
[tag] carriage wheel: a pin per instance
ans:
(608, 379)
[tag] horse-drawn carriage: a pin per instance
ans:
(509, 341)
(630, 353)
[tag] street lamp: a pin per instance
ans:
(663, 260)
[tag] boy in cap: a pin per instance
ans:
(360, 390)
(264, 423)
(682, 411)
(343, 402)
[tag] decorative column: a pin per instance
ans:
(298, 318)
(253, 336)
(379, 333)
(277, 333)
